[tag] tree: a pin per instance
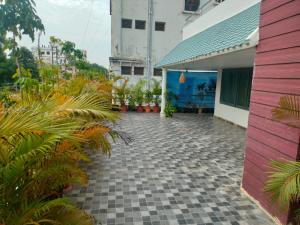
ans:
(7, 69)
(72, 54)
(28, 62)
(54, 43)
(78, 54)
(82, 65)
(68, 49)
(18, 18)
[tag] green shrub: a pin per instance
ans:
(169, 110)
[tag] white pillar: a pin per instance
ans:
(164, 92)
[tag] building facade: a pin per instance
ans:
(254, 46)
(144, 31)
(50, 55)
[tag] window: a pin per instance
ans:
(126, 23)
(125, 70)
(236, 87)
(138, 70)
(160, 26)
(140, 24)
(157, 72)
(191, 5)
(48, 53)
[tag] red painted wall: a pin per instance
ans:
(277, 73)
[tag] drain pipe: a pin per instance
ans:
(149, 44)
(121, 30)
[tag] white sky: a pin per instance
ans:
(84, 22)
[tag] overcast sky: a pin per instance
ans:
(85, 22)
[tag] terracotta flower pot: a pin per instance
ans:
(123, 108)
(156, 109)
(140, 109)
(68, 188)
(148, 109)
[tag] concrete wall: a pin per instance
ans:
(221, 12)
(229, 113)
(132, 43)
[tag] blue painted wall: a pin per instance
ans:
(197, 92)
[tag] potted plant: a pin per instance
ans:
(139, 99)
(156, 91)
(139, 95)
(131, 101)
(122, 92)
(148, 100)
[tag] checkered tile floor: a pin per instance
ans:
(185, 170)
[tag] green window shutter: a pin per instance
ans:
(236, 87)
(244, 88)
(228, 87)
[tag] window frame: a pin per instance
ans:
(138, 67)
(123, 20)
(157, 74)
(142, 27)
(187, 9)
(158, 23)
(234, 89)
(126, 67)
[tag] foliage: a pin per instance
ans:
(25, 82)
(49, 74)
(5, 97)
(283, 184)
(43, 140)
(138, 92)
(94, 68)
(55, 44)
(148, 96)
(27, 61)
(156, 90)
(72, 54)
(19, 18)
(131, 101)
(7, 69)
(169, 110)
(122, 91)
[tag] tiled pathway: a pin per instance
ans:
(185, 170)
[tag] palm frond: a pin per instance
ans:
(87, 105)
(288, 111)
(283, 183)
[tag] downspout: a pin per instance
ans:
(121, 31)
(149, 44)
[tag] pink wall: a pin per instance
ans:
(277, 73)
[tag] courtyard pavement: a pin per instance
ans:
(184, 170)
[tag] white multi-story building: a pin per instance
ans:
(50, 55)
(144, 31)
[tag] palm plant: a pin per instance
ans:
(156, 90)
(43, 139)
(138, 91)
(122, 91)
(283, 184)
(148, 97)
